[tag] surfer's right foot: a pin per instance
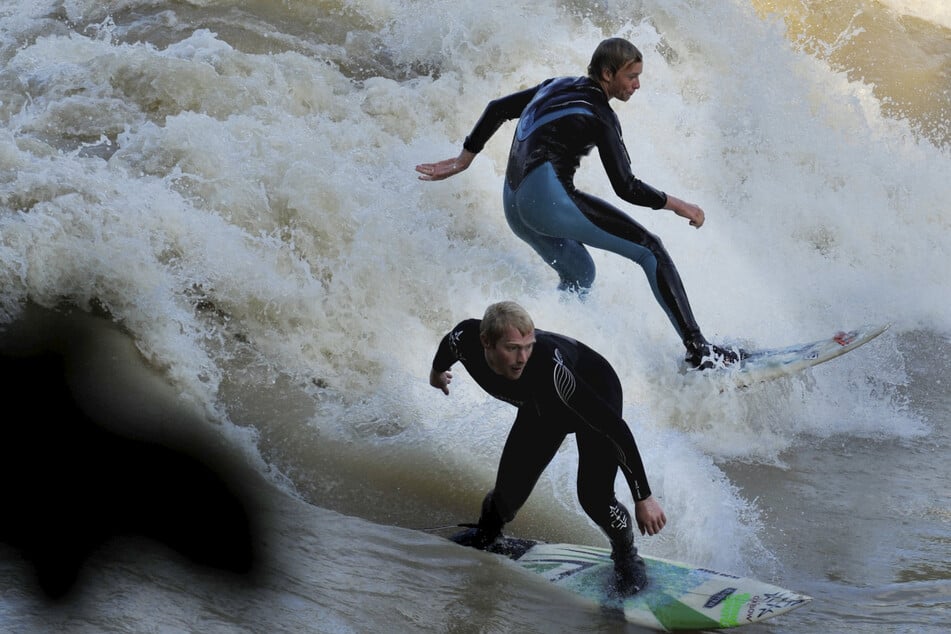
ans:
(702, 355)
(476, 537)
(630, 573)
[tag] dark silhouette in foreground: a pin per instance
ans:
(69, 485)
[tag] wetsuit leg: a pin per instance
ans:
(597, 464)
(597, 470)
(568, 257)
(546, 209)
(530, 446)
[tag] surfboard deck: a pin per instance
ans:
(772, 363)
(678, 596)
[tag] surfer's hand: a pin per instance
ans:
(650, 516)
(446, 168)
(440, 380)
(690, 211)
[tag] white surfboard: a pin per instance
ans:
(678, 596)
(766, 364)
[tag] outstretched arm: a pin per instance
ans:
(446, 168)
(497, 112)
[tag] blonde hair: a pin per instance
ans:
(500, 316)
(612, 55)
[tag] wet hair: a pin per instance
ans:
(500, 316)
(612, 55)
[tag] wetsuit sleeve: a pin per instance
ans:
(584, 401)
(445, 356)
(451, 347)
(617, 165)
(497, 112)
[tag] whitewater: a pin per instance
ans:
(210, 208)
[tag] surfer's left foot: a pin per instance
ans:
(630, 572)
(703, 355)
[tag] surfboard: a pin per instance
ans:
(771, 363)
(678, 596)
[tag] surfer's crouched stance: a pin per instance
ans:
(560, 121)
(560, 386)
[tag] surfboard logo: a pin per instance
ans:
(718, 598)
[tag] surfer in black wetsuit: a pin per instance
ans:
(560, 121)
(560, 386)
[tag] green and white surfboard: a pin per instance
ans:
(678, 596)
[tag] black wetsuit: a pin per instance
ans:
(565, 387)
(561, 120)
